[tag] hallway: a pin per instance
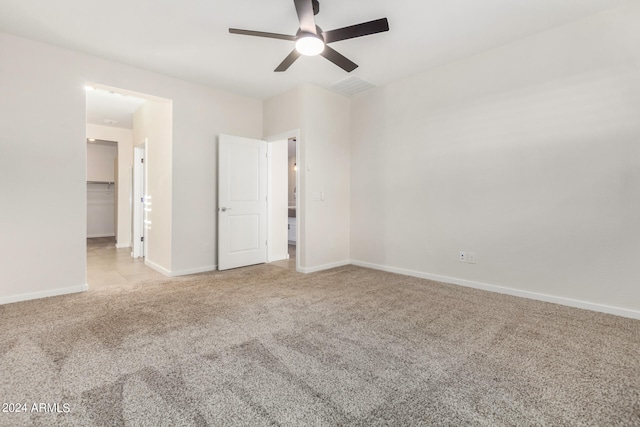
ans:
(109, 267)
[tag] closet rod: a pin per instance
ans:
(100, 182)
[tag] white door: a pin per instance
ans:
(242, 202)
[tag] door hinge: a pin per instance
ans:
(142, 239)
(266, 243)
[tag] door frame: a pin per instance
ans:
(138, 234)
(299, 190)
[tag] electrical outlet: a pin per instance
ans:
(471, 257)
(462, 257)
(206, 248)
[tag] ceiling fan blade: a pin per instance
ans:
(290, 59)
(339, 59)
(304, 9)
(262, 34)
(358, 30)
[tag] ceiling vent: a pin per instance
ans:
(351, 85)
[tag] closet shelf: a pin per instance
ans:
(109, 183)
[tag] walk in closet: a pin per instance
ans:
(101, 188)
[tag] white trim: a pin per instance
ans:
(586, 305)
(295, 133)
(157, 267)
(139, 193)
(301, 211)
(269, 203)
(188, 271)
(44, 294)
(93, 236)
(122, 246)
(193, 271)
(308, 270)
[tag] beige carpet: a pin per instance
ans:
(350, 346)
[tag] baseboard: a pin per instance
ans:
(278, 258)
(123, 245)
(308, 270)
(157, 267)
(170, 273)
(193, 271)
(92, 236)
(43, 294)
(634, 314)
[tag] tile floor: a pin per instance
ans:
(288, 263)
(110, 267)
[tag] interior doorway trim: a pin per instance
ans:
(139, 194)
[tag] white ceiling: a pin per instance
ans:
(189, 39)
(110, 108)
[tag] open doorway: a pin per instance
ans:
(292, 196)
(254, 203)
(109, 121)
(127, 120)
(102, 180)
(289, 143)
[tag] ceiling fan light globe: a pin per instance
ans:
(309, 45)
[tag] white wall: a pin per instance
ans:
(204, 114)
(325, 150)
(283, 113)
(323, 120)
(43, 166)
(124, 138)
(101, 159)
(152, 123)
(42, 170)
(278, 247)
(527, 155)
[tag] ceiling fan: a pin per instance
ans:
(312, 40)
